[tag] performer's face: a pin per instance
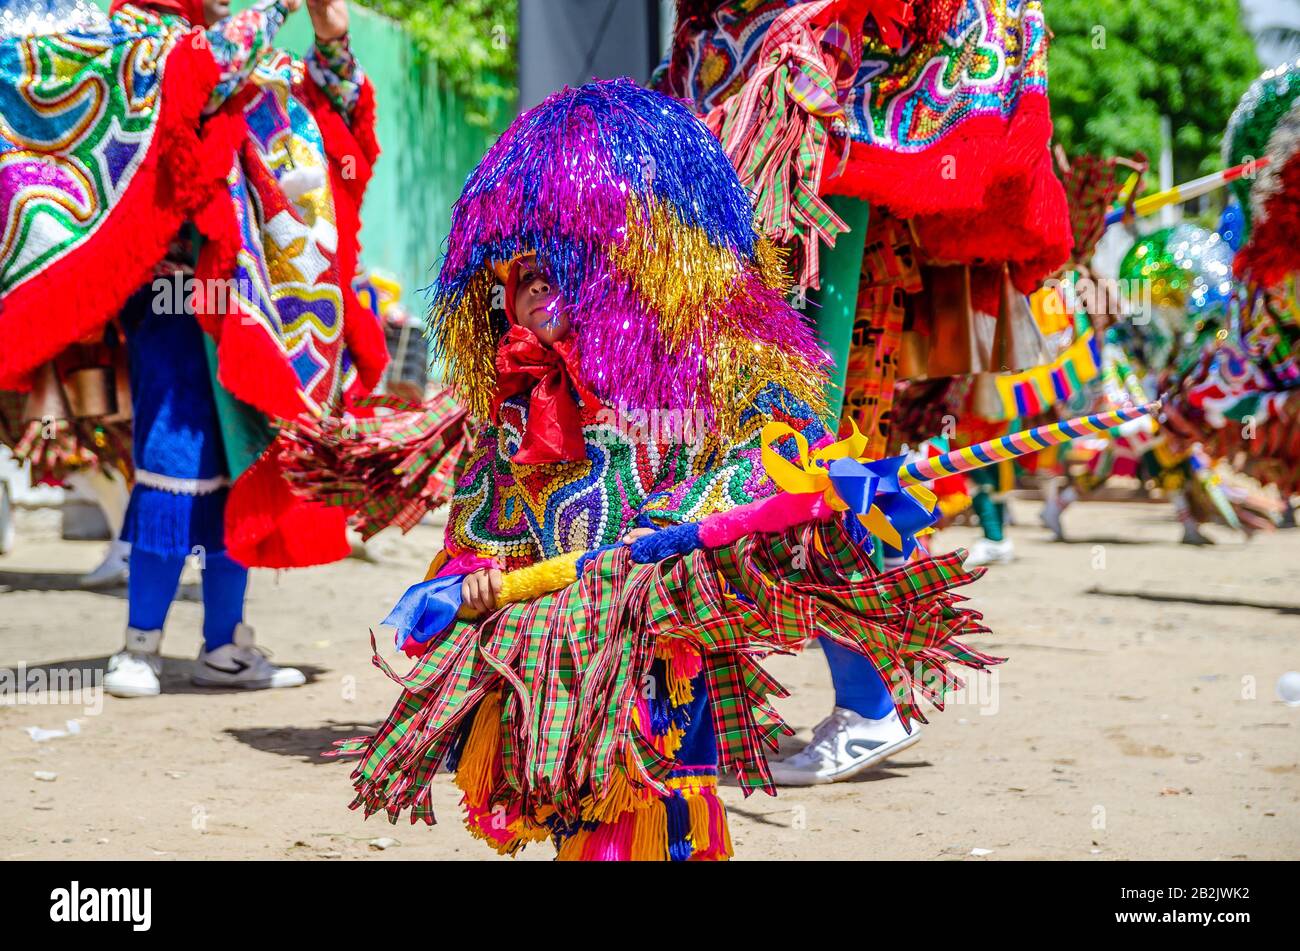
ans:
(537, 306)
(215, 10)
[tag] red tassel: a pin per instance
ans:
(987, 191)
(267, 526)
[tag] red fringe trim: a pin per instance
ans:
(986, 192)
(267, 526)
(77, 296)
(248, 364)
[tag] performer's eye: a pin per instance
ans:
(527, 277)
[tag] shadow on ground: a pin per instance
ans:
(1199, 600)
(89, 671)
(304, 743)
(71, 581)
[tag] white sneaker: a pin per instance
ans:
(113, 570)
(244, 665)
(134, 671)
(985, 552)
(1050, 516)
(843, 745)
(7, 531)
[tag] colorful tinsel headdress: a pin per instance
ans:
(637, 216)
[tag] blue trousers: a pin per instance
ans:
(154, 579)
(858, 686)
(857, 683)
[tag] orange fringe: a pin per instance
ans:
(479, 777)
(641, 834)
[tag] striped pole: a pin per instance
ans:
(1024, 443)
(1187, 190)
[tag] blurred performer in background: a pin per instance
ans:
(221, 236)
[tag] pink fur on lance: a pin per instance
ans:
(773, 514)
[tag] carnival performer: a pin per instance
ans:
(223, 158)
(70, 429)
(851, 160)
(1241, 397)
(1187, 309)
(588, 639)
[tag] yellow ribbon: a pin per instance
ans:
(810, 474)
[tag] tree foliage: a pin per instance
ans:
(1116, 66)
(473, 45)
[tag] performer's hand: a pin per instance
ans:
(330, 18)
(636, 533)
(292, 6)
(480, 589)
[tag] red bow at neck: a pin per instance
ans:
(553, 431)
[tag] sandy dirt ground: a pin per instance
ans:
(1137, 716)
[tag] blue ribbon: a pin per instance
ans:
(426, 610)
(863, 485)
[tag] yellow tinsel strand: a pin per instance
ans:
(772, 269)
(739, 368)
(683, 277)
(463, 336)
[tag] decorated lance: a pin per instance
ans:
(887, 497)
(1024, 443)
(1188, 190)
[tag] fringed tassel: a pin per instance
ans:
(479, 776)
(688, 824)
(173, 524)
(621, 797)
(390, 461)
(711, 835)
(479, 768)
(677, 813)
(681, 665)
(267, 526)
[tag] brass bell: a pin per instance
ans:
(46, 400)
(92, 392)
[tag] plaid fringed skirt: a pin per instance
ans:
(598, 716)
